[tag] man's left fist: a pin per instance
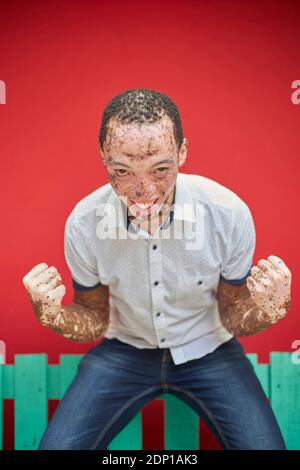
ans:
(270, 287)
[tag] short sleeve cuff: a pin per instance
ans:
(236, 282)
(83, 288)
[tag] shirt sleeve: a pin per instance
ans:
(80, 262)
(241, 246)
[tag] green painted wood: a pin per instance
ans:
(262, 371)
(130, 437)
(67, 371)
(8, 390)
(53, 381)
(1, 402)
(181, 424)
(31, 410)
(32, 382)
(285, 396)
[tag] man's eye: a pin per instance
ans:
(120, 174)
(162, 168)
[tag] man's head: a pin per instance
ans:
(142, 146)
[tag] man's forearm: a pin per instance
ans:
(241, 316)
(263, 300)
(79, 323)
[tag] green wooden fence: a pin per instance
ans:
(31, 382)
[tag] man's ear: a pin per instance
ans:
(102, 155)
(183, 152)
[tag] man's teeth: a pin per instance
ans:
(143, 206)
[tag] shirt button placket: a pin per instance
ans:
(156, 276)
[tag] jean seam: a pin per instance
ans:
(119, 413)
(163, 373)
(205, 409)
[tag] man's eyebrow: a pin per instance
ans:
(115, 162)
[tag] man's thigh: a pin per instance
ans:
(108, 390)
(223, 388)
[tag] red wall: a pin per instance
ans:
(228, 65)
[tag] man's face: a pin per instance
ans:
(142, 161)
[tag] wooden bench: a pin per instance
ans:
(31, 382)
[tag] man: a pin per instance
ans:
(161, 263)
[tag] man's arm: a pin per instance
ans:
(261, 301)
(238, 312)
(85, 320)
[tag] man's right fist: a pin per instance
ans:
(45, 289)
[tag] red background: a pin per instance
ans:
(228, 65)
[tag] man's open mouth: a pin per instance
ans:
(145, 205)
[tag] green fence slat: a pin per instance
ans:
(53, 382)
(130, 437)
(262, 372)
(68, 369)
(179, 417)
(1, 402)
(8, 379)
(31, 408)
(285, 396)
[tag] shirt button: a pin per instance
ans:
(162, 340)
(158, 313)
(156, 282)
(154, 247)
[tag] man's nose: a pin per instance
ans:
(144, 186)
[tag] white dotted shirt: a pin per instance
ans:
(163, 287)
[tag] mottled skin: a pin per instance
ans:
(85, 320)
(264, 299)
(141, 176)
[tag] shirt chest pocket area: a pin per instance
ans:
(193, 289)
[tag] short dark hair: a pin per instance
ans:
(141, 105)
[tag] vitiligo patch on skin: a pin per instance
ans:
(262, 301)
(83, 321)
(139, 177)
(270, 286)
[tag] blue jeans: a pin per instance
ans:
(115, 380)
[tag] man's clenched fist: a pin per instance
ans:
(45, 289)
(270, 287)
